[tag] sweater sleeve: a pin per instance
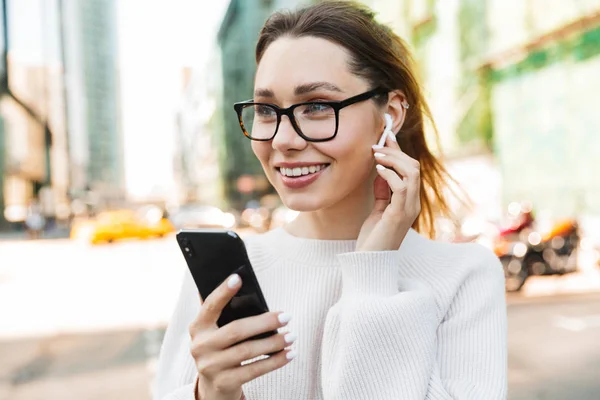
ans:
(384, 340)
(176, 372)
(471, 360)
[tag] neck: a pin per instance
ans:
(341, 221)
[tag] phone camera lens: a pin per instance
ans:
(187, 247)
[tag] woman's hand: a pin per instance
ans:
(394, 212)
(219, 354)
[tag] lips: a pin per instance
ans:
(297, 176)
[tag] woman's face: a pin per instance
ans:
(295, 70)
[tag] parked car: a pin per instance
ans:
(201, 216)
(110, 226)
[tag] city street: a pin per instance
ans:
(553, 348)
(81, 322)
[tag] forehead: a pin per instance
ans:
(289, 62)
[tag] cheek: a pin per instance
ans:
(262, 151)
(355, 141)
(353, 156)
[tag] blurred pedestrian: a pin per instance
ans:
(380, 311)
(34, 221)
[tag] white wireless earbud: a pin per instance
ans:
(388, 122)
(388, 129)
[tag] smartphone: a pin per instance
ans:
(212, 255)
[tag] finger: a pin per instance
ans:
(383, 194)
(251, 349)
(398, 187)
(381, 189)
(244, 328)
(407, 160)
(408, 168)
(213, 305)
(246, 373)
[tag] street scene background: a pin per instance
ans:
(117, 129)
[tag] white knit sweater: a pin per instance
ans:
(425, 322)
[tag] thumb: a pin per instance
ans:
(383, 194)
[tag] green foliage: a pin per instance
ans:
(588, 45)
(422, 32)
(577, 48)
(475, 128)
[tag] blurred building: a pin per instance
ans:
(160, 48)
(510, 85)
(35, 148)
(544, 63)
(91, 58)
(61, 132)
(196, 156)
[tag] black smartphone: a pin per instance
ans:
(212, 255)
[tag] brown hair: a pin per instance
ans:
(383, 59)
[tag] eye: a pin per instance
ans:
(264, 111)
(316, 110)
(316, 107)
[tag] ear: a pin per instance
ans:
(397, 107)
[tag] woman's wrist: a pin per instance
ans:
(196, 394)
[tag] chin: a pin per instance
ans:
(309, 201)
(302, 202)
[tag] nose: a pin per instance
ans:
(287, 138)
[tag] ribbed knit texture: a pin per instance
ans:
(426, 322)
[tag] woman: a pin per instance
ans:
(379, 312)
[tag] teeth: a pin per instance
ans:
(301, 171)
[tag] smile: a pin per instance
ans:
(300, 177)
(301, 171)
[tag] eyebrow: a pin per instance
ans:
(301, 89)
(314, 86)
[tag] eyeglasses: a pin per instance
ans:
(315, 121)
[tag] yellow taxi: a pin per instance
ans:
(110, 226)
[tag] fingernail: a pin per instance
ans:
(233, 281)
(376, 146)
(291, 355)
(380, 167)
(393, 137)
(284, 318)
(290, 338)
(379, 155)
